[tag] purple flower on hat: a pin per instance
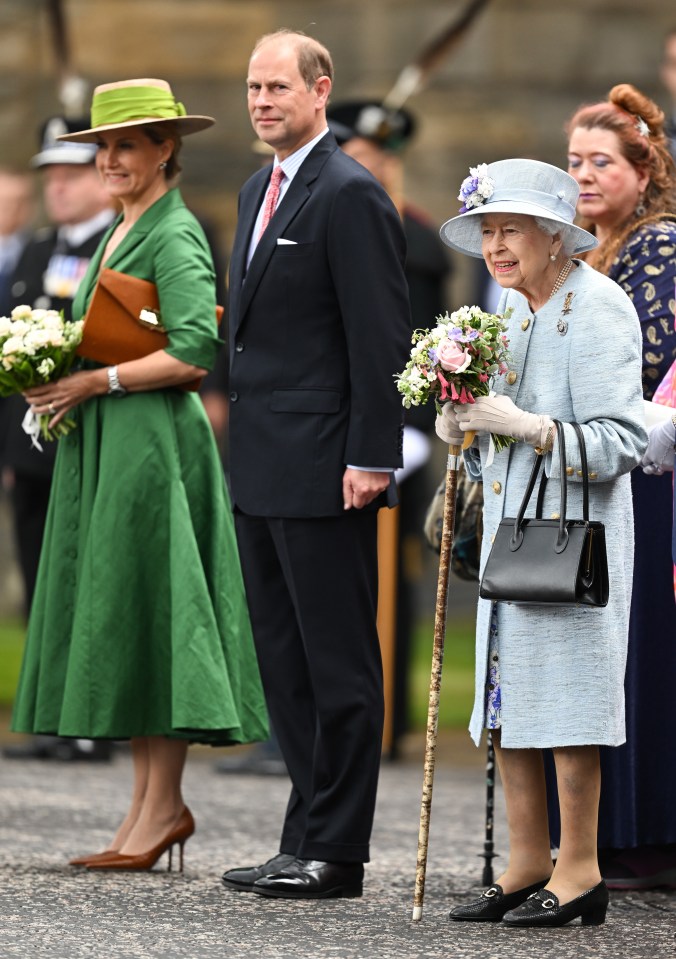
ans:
(476, 188)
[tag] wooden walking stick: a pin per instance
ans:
(435, 679)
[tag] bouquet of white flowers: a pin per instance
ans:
(36, 347)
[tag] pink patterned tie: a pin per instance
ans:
(271, 198)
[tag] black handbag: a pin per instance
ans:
(557, 562)
(468, 529)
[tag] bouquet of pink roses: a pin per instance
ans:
(457, 360)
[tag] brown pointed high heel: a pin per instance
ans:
(93, 857)
(145, 861)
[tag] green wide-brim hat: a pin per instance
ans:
(135, 103)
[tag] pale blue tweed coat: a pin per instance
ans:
(562, 669)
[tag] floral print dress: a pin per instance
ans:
(493, 693)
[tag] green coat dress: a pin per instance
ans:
(139, 624)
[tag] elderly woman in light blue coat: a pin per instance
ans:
(550, 676)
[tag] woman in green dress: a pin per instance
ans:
(139, 628)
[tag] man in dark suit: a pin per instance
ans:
(377, 137)
(16, 212)
(17, 205)
(319, 325)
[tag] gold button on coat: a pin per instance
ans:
(511, 377)
(497, 487)
(525, 325)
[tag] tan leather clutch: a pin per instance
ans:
(113, 331)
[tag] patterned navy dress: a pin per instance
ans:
(638, 792)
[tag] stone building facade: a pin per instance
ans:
(504, 90)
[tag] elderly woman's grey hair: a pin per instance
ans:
(551, 227)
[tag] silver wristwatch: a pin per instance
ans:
(115, 388)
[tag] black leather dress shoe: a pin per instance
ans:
(313, 879)
(493, 903)
(261, 760)
(542, 909)
(243, 879)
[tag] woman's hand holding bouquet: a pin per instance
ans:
(456, 362)
(37, 347)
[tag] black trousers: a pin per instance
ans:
(29, 499)
(312, 590)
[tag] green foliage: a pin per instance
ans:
(11, 648)
(457, 686)
(457, 681)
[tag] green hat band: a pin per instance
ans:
(134, 103)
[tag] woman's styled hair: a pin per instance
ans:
(569, 239)
(159, 135)
(638, 123)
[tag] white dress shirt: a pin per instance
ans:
(290, 165)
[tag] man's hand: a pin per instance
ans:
(360, 487)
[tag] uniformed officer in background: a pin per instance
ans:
(47, 276)
(377, 137)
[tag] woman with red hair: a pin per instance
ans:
(619, 155)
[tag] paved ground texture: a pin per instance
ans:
(49, 812)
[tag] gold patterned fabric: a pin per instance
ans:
(646, 269)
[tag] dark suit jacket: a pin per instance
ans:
(317, 331)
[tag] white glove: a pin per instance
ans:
(498, 414)
(447, 427)
(659, 457)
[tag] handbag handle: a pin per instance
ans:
(562, 538)
(585, 478)
(585, 474)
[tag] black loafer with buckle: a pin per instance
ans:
(493, 903)
(542, 909)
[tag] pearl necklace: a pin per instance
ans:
(562, 277)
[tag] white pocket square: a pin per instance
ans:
(282, 242)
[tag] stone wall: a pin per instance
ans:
(505, 90)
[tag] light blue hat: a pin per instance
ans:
(529, 187)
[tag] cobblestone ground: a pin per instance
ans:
(49, 812)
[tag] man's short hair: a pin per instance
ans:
(314, 60)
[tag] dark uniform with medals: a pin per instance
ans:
(46, 276)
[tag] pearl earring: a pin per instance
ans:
(552, 257)
(163, 165)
